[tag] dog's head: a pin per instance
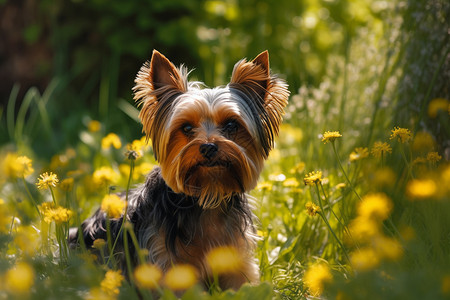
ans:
(210, 143)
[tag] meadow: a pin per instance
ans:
(353, 202)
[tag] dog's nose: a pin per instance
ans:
(208, 150)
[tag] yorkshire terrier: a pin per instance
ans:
(211, 145)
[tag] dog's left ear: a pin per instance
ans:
(268, 93)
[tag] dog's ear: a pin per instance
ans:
(268, 93)
(158, 83)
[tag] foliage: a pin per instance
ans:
(353, 202)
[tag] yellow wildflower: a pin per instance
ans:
(98, 244)
(17, 166)
(445, 286)
(380, 148)
(5, 218)
(111, 283)
(419, 160)
(27, 239)
(56, 214)
(113, 205)
(364, 259)
(384, 177)
(291, 182)
(436, 105)
(313, 178)
(298, 168)
(265, 186)
(94, 126)
(376, 206)
(316, 277)
(97, 293)
(20, 278)
(147, 276)
(330, 136)
(363, 229)
(224, 260)
(402, 134)
(433, 157)
(111, 139)
(359, 153)
(47, 180)
(67, 184)
(388, 248)
(421, 188)
(104, 177)
(423, 142)
(180, 277)
(312, 209)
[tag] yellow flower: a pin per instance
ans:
(111, 139)
(421, 188)
(433, 157)
(224, 260)
(67, 184)
(113, 205)
(98, 244)
(180, 277)
(330, 136)
(312, 209)
(436, 105)
(20, 278)
(28, 240)
(364, 259)
(388, 248)
(104, 176)
(291, 182)
(376, 206)
(445, 286)
(359, 153)
(147, 276)
(57, 214)
(47, 180)
(111, 283)
(17, 166)
(313, 178)
(384, 177)
(402, 134)
(316, 277)
(94, 126)
(5, 218)
(299, 168)
(97, 293)
(380, 148)
(423, 142)
(419, 160)
(363, 229)
(265, 186)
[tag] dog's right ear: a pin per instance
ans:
(158, 83)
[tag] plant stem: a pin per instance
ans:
(343, 171)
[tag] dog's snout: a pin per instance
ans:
(208, 150)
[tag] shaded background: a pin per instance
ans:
(87, 53)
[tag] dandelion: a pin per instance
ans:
(98, 244)
(67, 184)
(330, 136)
(316, 277)
(313, 178)
(56, 214)
(380, 148)
(223, 260)
(376, 206)
(20, 278)
(94, 126)
(433, 157)
(364, 259)
(111, 283)
(104, 177)
(47, 180)
(97, 293)
(402, 134)
(359, 153)
(421, 188)
(111, 140)
(147, 276)
(180, 277)
(17, 166)
(436, 105)
(291, 182)
(113, 205)
(312, 209)
(264, 186)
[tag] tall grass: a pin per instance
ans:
(338, 218)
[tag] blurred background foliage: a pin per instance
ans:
(91, 50)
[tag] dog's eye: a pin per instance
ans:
(230, 128)
(187, 129)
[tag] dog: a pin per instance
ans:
(210, 144)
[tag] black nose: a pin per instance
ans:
(208, 150)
